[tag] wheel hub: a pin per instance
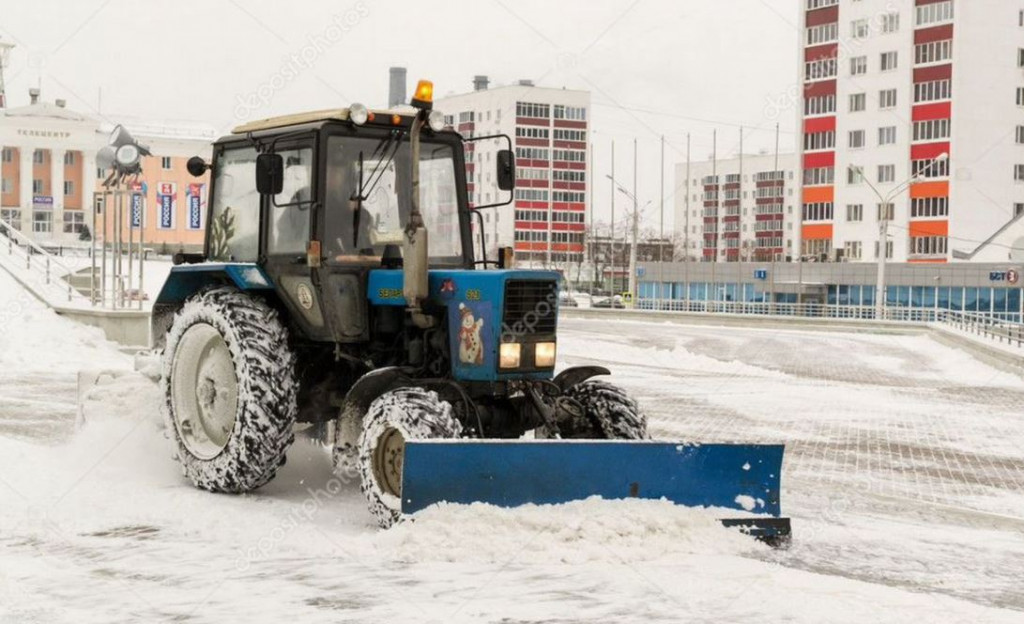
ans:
(204, 391)
(387, 461)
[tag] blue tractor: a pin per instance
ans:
(339, 291)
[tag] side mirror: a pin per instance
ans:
(196, 166)
(506, 170)
(269, 174)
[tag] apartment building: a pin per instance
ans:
(739, 208)
(912, 121)
(546, 222)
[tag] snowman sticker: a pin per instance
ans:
(471, 347)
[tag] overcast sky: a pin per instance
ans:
(652, 66)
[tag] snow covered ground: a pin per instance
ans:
(904, 477)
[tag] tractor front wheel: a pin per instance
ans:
(610, 413)
(394, 417)
(230, 390)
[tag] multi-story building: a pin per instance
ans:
(912, 113)
(546, 222)
(739, 208)
(50, 179)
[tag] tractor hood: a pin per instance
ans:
(482, 310)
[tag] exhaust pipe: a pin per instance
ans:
(416, 262)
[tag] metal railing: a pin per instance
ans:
(994, 327)
(805, 310)
(47, 274)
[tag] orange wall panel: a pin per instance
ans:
(930, 189)
(818, 194)
(820, 230)
(929, 228)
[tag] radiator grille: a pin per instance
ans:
(531, 308)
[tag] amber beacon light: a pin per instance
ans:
(424, 96)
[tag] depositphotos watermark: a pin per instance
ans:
(305, 58)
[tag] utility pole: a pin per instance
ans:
(686, 233)
(636, 233)
(612, 246)
(661, 229)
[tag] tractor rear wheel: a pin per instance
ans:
(610, 413)
(394, 417)
(230, 390)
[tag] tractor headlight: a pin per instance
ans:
(436, 120)
(508, 356)
(358, 114)
(544, 354)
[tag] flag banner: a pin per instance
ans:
(166, 200)
(195, 206)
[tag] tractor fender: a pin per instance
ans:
(572, 376)
(369, 387)
(187, 279)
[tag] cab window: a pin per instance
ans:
(290, 210)
(235, 217)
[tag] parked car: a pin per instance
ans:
(610, 302)
(566, 300)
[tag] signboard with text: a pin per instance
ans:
(136, 210)
(167, 203)
(195, 206)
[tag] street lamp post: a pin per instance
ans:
(886, 208)
(636, 234)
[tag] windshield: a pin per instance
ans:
(387, 198)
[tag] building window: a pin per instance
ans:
(888, 250)
(858, 65)
(820, 4)
(933, 52)
(575, 113)
(530, 109)
(889, 61)
(855, 213)
(934, 12)
(886, 173)
(100, 174)
(69, 187)
(11, 216)
(931, 130)
(890, 22)
(1020, 57)
(42, 221)
(887, 135)
(854, 175)
(930, 168)
(928, 245)
(852, 250)
(856, 139)
(819, 140)
(1018, 173)
(74, 222)
(859, 29)
(858, 102)
(820, 69)
(820, 211)
(885, 212)
(887, 99)
(820, 105)
(165, 163)
(8, 155)
(7, 185)
(37, 157)
(37, 187)
(929, 207)
(819, 176)
(69, 158)
(932, 91)
(824, 33)
(1018, 209)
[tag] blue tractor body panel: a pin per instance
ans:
(187, 279)
(474, 301)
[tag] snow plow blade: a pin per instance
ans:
(745, 477)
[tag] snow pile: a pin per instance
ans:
(585, 531)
